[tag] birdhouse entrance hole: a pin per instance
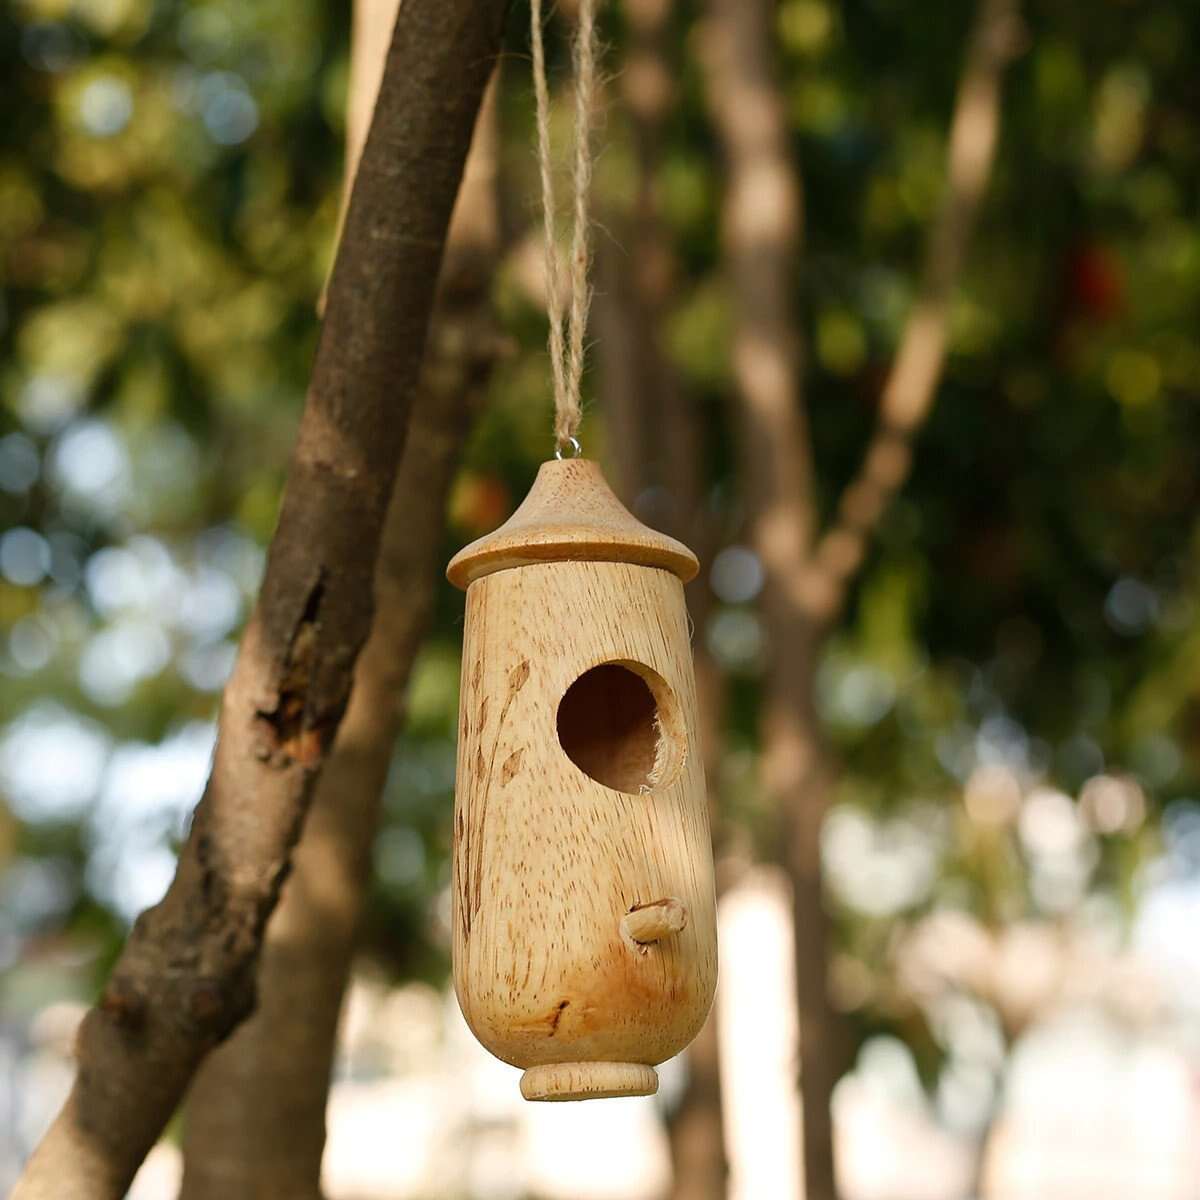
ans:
(619, 724)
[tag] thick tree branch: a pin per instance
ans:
(912, 383)
(186, 976)
(256, 1112)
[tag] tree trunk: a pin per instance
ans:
(256, 1111)
(806, 577)
(761, 233)
(657, 441)
(185, 979)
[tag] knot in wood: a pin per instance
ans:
(124, 1004)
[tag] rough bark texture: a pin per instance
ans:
(186, 976)
(256, 1111)
(807, 574)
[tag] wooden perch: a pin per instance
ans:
(645, 924)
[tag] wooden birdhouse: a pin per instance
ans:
(583, 904)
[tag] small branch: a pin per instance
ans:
(186, 976)
(911, 385)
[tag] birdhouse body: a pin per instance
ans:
(583, 903)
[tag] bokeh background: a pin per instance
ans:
(1011, 698)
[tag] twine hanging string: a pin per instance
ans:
(567, 326)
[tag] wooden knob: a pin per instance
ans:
(588, 1081)
(647, 923)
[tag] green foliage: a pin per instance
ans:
(169, 184)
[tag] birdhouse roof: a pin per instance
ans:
(570, 515)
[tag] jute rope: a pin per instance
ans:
(569, 279)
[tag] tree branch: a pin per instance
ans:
(762, 220)
(912, 383)
(805, 579)
(256, 1112)
(186, 976)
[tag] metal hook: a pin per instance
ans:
(576, 448)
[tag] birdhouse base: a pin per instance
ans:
(588, 1081)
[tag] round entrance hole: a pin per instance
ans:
(619, 724)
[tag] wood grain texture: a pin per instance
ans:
(570, 515)
(548, 861)
(588, 1081)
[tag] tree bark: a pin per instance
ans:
(806, 574)
(185, 979)
(256, 1111)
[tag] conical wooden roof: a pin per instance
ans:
(570, 515)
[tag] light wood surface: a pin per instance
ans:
(588, 1081)
(583, 905)
(570, 514)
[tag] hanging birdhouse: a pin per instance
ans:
(583, 904)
